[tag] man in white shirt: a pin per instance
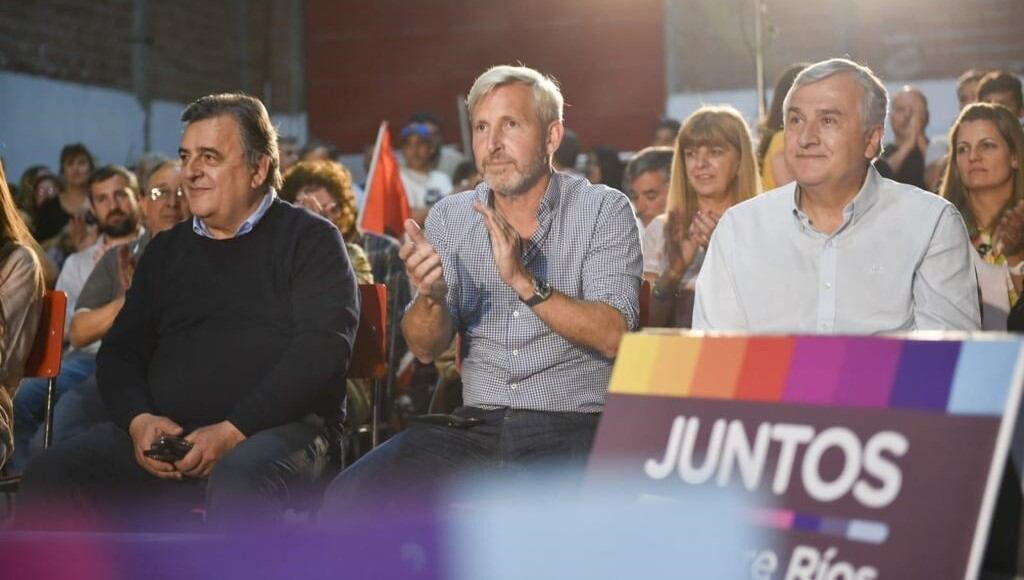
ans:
(841, 249)
(424, 185)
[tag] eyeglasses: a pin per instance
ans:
(157, 193)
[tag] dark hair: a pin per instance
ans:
(108, 171)
(670, 124)
(25, 194)
(649, 159)
(70, 152)
(14, 229)
(1000, 81)
(969, 76)
(568, 150)
(611, 166)
(333, 177)
(259, 138)
(465, 169)
(332, 151)
(772, 123)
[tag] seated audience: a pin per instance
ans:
(841, 250)
(60, 223)
(967, 87)
(605, 167)
(424, 185)
(712, 170)
(235, 335)
(985, 181)
(647, 179)
(1002, 88)
(771, 135)
(25, 195)
(567, 154)
(21, 292)
(113, 192)
(539, 325)
(446, 158)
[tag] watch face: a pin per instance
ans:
(541, 289)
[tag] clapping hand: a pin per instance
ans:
(423, 264)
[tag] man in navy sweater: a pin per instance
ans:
(236, 334)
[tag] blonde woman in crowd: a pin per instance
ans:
(713, 168)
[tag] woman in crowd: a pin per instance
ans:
(713, 168)
(60, 223)
(325, 188)
(985, 181)
(21, 291)
(770, 133)
(604, 166)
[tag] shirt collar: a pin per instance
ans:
(200, 228)
(856, 208)
(547, 204)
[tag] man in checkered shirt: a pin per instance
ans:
(539, 272)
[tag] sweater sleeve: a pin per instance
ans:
(325, 310)
(124, 355)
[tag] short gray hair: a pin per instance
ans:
(649, 159)
(873, 103)
(547, 97)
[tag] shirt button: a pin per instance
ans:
(828, 284)
(515, 353)
(513, 386)
(515, 313)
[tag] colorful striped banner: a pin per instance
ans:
(944, 376)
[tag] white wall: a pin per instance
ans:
(941, 94)
(38, 116)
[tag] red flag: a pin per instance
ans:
(385, 205)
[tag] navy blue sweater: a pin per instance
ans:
(257, 329)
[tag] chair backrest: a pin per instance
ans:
(370, 352)
(645, 303)
(44, 359)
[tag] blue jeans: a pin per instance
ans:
(30, 402)
(424, 457)
(92, 481)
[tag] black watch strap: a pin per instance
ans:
(541, 292)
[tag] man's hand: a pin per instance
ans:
(506, 246)
(209, 444)
(422, 264)
(145, 429)
(126, 266)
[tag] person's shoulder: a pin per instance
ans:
(19, 257)
(297, 219)
(768, 203)
(461, 201)
(910, 198)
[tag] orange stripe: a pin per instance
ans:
(719, 367)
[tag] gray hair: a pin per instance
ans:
(649, 159)
(873, 103)
(547, 97)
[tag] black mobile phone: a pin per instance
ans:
(453, 421)
(168, 448)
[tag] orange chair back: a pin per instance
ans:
(44, 359)
(369, 354)
(645, 303)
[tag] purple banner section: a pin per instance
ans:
(925, 375)
(815, 371)
(869, 372)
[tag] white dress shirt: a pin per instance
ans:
(900, 261)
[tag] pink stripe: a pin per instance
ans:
(778, 519)
(815, 370)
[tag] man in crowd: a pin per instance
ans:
(539, 272)
(564, 159)
(967, 87)
(113, 193)
(1002, 88)
(424, 185)
(665, 133)
(647, 174)
(235, 335)
(904, 160)
(841, 250)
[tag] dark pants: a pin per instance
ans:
(420, 459)
(93, 481)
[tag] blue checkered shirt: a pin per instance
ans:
(586, 246)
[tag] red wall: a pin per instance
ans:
(382, 60)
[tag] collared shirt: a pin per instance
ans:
(899, 261)
(200, 228)
(586, 246)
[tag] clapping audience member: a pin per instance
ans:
(113, 191)
(21, 292)
(904, 160)
(985, 181)
(841, 250)
(61, 222)
(1002, 88)
(713, 169)
(771, 134)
